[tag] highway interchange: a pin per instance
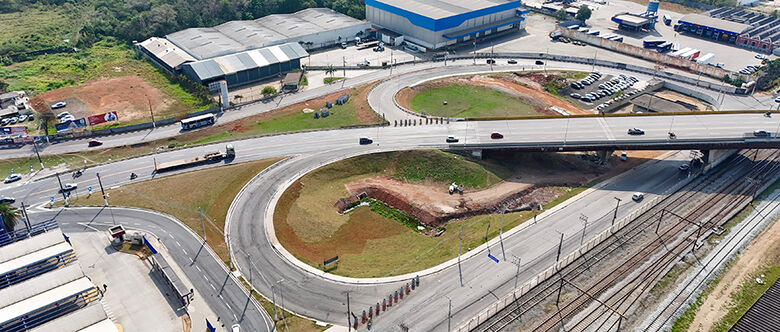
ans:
(314, 294)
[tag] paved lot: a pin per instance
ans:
(733, 57)
(354, 55)
(135, 297)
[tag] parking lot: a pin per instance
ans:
(606, 89)
(354, 55)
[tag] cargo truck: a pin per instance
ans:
(215, 156)
(706, 59)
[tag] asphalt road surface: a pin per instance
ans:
(226, 297)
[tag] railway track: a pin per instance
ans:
(634, 277)
(689, 194)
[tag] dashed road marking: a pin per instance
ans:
(185, 252)
(212, 287)
(198, 267)
(177, 243)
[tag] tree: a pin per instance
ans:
(330, 70)
(268, 90)
(583, 14)
(10, 216)
(561, 15)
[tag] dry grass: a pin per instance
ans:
(181, 195)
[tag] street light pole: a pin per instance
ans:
(35, 145)
(460, 250)
(501, 234)
(105, 198)
(203, 225)
(583, 218)
(449, 314)
(150, 111)
(616, 210)
(64, 197)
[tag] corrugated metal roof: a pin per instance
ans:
(716, 23)
(228, 64)
(238, 36)
(764, 315)
(166, 51)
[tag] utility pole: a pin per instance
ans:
(449, 314)
(26, 217)
(105, 198)
(517, 274)
(203, 226)
(475, 52)
(584, 219)
(616, 210)
(560, 245)
(150, 111)
(273, 300)
(35, 145)
(487, 241)
(460, 250)
(344, 67)
(501, 234)
(349, 319)
(64, 197)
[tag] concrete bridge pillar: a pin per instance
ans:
(604, 156)
(477, 154)
(712, 158)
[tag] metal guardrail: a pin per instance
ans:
(24, 233)
(662, 144)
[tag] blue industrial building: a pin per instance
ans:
(437, 24)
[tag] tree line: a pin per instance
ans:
(130, 20)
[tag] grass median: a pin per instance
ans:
(372, 242)
(181, 195)
(462, 104)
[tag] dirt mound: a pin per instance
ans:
(129, 96)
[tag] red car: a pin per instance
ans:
(94, 142)
(496, 136)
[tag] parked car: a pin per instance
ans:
(496, 135)
(12, 178)
(5, 121)
(94, 142)
(31, 117)
(69, 187)
(452, 139)
(9, 200)
(623, 156)
(638, 197)
(13, 120)
(761, 56)
(62, 115)
(59, 104)
(235, 328)
(575, 95)
(539, 62)
(760, 133)
(636, 131)
(684, 167)
(365, 141)
(22, 118)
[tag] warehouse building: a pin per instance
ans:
(163, 53)
(429, 25)
(313, 28)
(711, 28)
(247, 67)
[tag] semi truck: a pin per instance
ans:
(706, 59)
(215, 156)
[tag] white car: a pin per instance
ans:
(12, 178)
(22, 118)
(638, 197)
(235, 328)
(59, 104)
(760, 56)
(62, 115)
(69, 187)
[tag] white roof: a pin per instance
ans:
(44, 299)
(40, 284)
(31, 258)
(437, 9)
(26, 246)
(89, 319)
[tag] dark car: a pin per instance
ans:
(452, 139)
(511, 62)
(491, 61)
(496, 136)
(636, 131)
(539, 62)
(684, 167)
(9, 200)
(761, 133)
(94, 142)
(68, 187)
(365, 140)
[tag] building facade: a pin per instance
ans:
(439, 24)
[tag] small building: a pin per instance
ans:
(632, 22)
(292, 81)
(711, 28)
(164, 53)
(438, 24)
(649, 102)
(247, 67)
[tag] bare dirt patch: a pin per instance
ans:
(125, 95)
(673, 95)
(527, 87)
(762, 251)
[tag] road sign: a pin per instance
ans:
(330, 261)
(149, 245)
(31, 167)
(209, 327)
(493, 258)
(52, 199)
(12, 171)
(90, 189)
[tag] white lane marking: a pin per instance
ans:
(185, 251)
(88, 226)
(212, 287)
(229, 308)
(178, 244)
(207, 278)
(198, 267)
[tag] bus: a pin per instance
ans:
(198, 121)
(616, 38)
(652, 43)
(667, 20)
(667, 46)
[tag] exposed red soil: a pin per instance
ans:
(125, 95)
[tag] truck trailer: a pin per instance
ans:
(210, 157)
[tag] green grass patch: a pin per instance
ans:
(392, 213)
(34, 29)
(327, 80)
(441, 166)
(462, 102)
(747, 295)
(285, 319)
(181, 195)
